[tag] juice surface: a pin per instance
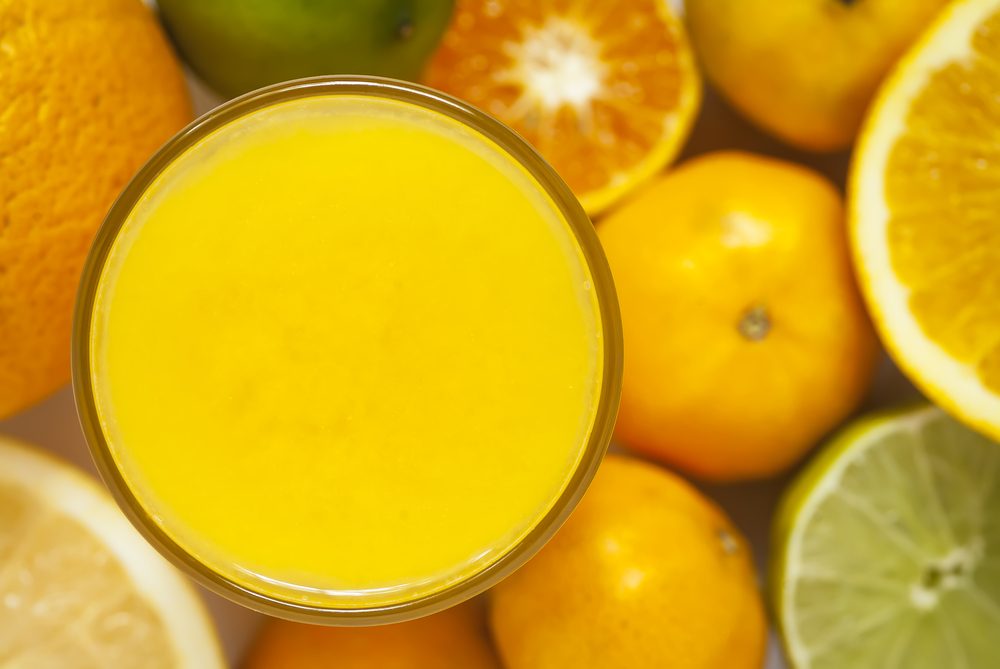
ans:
(346, 351)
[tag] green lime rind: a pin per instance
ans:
(236, 46)
(886, 549)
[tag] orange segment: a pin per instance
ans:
(605, 90)
(943, 192)
(925, 192)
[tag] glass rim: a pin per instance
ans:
(608, 309)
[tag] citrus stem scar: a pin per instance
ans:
(755, 323)
(727, 541)
(404, 27)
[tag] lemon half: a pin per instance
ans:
(79, 587)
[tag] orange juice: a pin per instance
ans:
(346, 350)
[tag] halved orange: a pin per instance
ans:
(925, 197)
(605, 90)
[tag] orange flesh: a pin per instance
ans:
(943, 191)
(496, 55)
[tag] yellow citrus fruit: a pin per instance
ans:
(90, 89)
(924, 200)
(804, 70)
(79, 587)
(745, 337)
(645, 574)
(606, 92)
(453, 639)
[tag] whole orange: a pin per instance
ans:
(90, 88)
(453, 639)
(646, 574)
(745, 337)
(804, 70)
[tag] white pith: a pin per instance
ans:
(558, 65)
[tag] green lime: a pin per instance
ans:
(239, 45)
(887, 549)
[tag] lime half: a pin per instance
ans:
(887, 549)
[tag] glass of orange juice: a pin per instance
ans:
(347, 350)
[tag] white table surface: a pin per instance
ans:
(53, 424)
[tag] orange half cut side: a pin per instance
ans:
(605, 90)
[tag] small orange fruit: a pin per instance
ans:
(606, 92)
(804, 70)
(645, 574)
(90, 88)
(453, 639)
(745, 337)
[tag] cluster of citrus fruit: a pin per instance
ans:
(747, 338)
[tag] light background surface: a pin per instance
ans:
(53, 424)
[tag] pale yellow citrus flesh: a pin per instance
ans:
(925, 192)
(78, 586)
